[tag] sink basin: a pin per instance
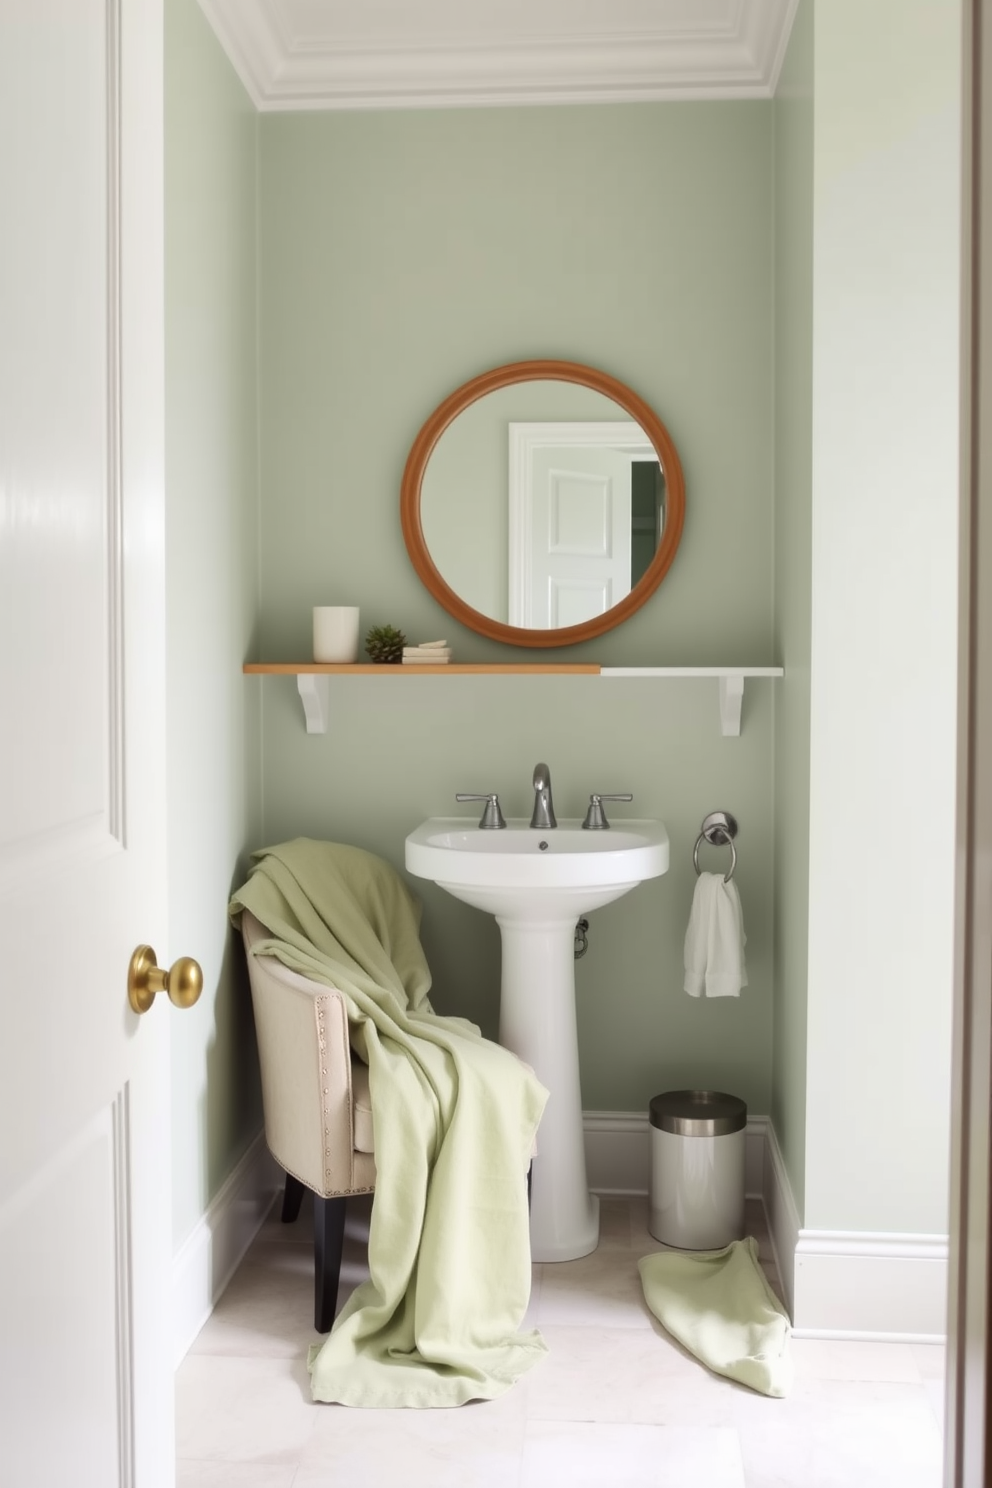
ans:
(536, 873)
(537, 882)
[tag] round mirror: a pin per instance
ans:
(542, 503)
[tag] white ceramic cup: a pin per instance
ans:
(335, 632)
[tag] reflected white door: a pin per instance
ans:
(85, 1240)
(580, 535)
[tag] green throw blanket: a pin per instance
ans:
(454, 1118)
(719, 1305)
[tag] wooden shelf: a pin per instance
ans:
(314, 686)
(457, 669)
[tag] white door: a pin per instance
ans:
(85, 1239)
(580, 535)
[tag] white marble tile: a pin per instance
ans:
(199, 1394)
(617, 1401)
(614, 1224)
(624, 1375)
(931, 1359)
(836, 1359)
(273, 1231)
(234, 1474)
(559, 1455)
(267, 1309)
(936, 1394)
(840, 1434)
(243, 1409)
(641, 1239)
(600, 1290)
(478, 1444)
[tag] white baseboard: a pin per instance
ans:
(210, 1255)
(837, 1284)
(867, 1285)
(618, 1152)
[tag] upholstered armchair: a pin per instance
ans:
(315, 1093)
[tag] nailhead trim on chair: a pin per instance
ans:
(320, 1005)
(323, 1067)
(335, 1193)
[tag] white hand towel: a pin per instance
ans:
(715, 940)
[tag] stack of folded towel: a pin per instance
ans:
(433, 653)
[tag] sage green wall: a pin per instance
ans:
(793, 513)
(400, 255)
(210, 714)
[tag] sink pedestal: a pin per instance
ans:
(537, 1021)
(538, 883)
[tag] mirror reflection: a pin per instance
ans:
(543, 504)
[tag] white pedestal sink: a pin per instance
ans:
(538, 882)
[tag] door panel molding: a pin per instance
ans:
(121, 1119)
(116, 798)
(61, 506)
(58, 1304)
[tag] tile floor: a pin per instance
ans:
(616, 1402)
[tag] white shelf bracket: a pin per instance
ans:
(315, 693)
(731, 698)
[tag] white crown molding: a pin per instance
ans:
(728, 49)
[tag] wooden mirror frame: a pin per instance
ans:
(469, 393)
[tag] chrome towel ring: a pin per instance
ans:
(719, 829)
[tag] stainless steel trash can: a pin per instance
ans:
(697, 1169)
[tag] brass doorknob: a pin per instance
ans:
(183, 981)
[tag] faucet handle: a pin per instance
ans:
(596, 817)
(492, 816)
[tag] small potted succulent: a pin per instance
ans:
(384, 643)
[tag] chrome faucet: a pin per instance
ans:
(544, 810)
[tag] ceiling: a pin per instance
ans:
(375, 54)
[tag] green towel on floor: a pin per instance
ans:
(454, 1117)
(720, 1307)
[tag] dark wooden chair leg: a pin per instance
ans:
(328, 1243)
(292, 1198)
(530, 1174)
